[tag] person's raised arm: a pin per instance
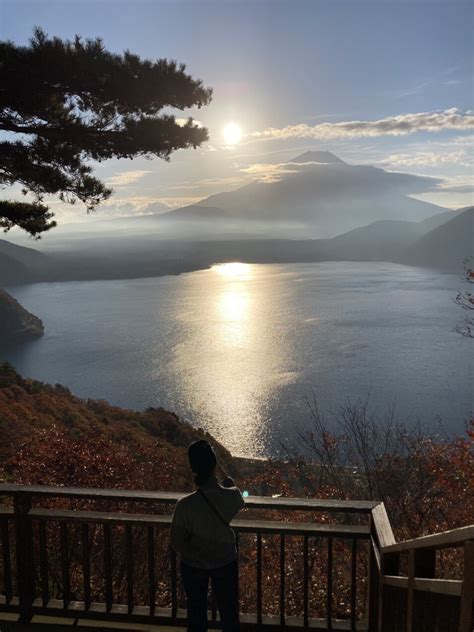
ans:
(229, 484)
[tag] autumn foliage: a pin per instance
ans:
(48, 436)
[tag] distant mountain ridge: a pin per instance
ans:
(445, 246)
(323, 157)
(326, 195)
(19, 264)
(143, 256)
(26, 256)
(194, 212)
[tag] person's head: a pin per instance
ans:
(202, 460)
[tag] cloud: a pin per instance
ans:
(176, 202)
(405, 182)
(418, 89)
(143, 205)
(456, 184)
(274, 172)
(219, 182)
(429, 159)
(124, 178)
(464, 141)
(455, 192)
(426, 85)
(401, 125)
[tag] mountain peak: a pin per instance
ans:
(317, 156)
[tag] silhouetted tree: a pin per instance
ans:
(466, 300)
(65, 103)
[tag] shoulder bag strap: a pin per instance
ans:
(213, 507)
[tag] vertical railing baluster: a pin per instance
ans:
(129, 557)
(213, 604)
(7, 564)
(305, 583)
(65, 564)
(24, 554)
(43, 555)
(282, 579)
(86, 566)
(174, 586)
(151, 569)
(237, 546)
(354, 584)
(108, 567)
(329, 585)
(259, 578)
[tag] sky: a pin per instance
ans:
(380, 82)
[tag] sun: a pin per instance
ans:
(232, 134)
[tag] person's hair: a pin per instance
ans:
(202, 460)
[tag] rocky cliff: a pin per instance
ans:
(16, 323)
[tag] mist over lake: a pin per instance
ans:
(239, 349)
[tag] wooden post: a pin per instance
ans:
(374, 604)
(379, 565)
(381, 536)
(421, 563)
(24, 554)
(410, 591)
(7, 569)
(389, 564)
(151, 569)
(86, 566)
(305, 583)
(465, 617)
(354, 585)
(282, 581)
(259, 578)
(329, 584)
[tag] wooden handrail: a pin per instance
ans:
(244, 526)
(439, 586)
(421, 579)
(455, 537)
(252, 502)
(382, 527)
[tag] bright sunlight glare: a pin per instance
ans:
(232, 134)
(235, 269)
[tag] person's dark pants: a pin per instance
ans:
(224, 581)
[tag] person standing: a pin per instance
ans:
(201, 534)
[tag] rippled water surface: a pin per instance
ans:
(239, 349)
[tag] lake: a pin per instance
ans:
(240, 349)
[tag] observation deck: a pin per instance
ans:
(101, 558)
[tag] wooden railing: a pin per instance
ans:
(419, 600)
(89, 561)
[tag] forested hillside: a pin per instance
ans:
(49, 436)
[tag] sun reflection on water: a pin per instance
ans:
(228, 361)
(234, 270)
(233, 304)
